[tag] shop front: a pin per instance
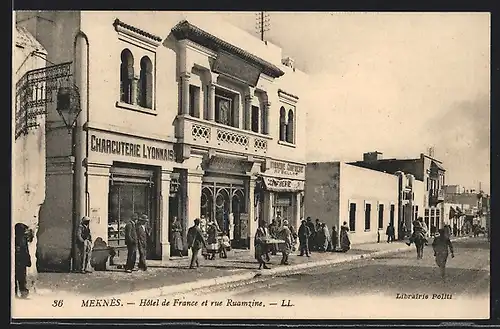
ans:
(282, 190)
(129, 176)
(225, 197)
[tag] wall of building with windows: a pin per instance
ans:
(366, 199)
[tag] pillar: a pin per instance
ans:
(248, 112)
(193, 200)
(134, 91)
(252, 215)
(98, 193)
(164, 215)
(184, 77)
(265, 117)
(296, 220)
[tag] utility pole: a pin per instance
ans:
(263, 24)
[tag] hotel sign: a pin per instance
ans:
(237, 68)
(283, 184)
(284, 168)
(130, 149)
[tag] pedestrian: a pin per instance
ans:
(335, 238)
(225, 245)
(441, 244)
(84, 244)
(260, 245)
(143, 234)
(345, 243)
(23, 236)
(419, 229)
(304, 233)
(286, 235)
(212, 243)
(317, 245)
(131, 243)
(447, 230)
(327, 243)
(273, 232)
(196, 241)
(312, 229)
(390, 233)
(177, 237)
(267, 247)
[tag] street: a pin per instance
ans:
(387, 276)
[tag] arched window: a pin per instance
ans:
(145, 91)
(282, 124)
(126, 76)
(289, 127)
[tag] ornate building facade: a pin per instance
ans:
(180, 118)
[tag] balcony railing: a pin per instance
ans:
(436, 196)
(195, 131)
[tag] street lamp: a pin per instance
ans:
(68, 105)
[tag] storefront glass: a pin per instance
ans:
(283, 206)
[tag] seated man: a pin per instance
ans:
(419, 228)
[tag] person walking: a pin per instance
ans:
(23, 236)
(335, 238)
(441, 244)
(84, 244)
(286, 235)
(304, 233)
(391, 232)
(131, 243)
(345, 243)
(196, 241)
(260, 245)
(177, 237)
(142, 241)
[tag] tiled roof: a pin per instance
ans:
(185, 30)
(26, 39)
(134, 29)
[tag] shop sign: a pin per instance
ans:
(283, 184)
(284, 168)
(137, 150)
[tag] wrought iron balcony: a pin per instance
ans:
(210, 134)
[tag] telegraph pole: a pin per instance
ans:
(263, 24)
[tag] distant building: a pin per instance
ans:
(475, 206)
(425, 169)
(366, 199)
(28, 151)
(453, 189)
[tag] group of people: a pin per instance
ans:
(264, 244)
(316, 237)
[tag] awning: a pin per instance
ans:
(283, 184)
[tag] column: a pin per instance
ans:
(164, 215)
(134, 92)
(296, 220)
(248, 112)
(193, 199)
(252, 216)
(184, 77)
(98, 193)
(265, 117)
(211, 102)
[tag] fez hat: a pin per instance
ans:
(144, 218)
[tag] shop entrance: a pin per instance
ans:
(283, 207)
(128, 195)
(225, 203)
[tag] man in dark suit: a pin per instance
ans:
(195, 241)
(23, 236)
(84, 244)
(131, 242)
(142, 241)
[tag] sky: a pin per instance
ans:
(397, 83)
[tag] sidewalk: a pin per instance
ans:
(174, 276)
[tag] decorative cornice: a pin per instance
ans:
(281, 91)
(185, 30)
(137, 33)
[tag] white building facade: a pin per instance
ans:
(180, 118)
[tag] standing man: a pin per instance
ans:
(304, 234)
(142, 241)
(312, 230)
(22, 258)
(391, 233)
(131, 242)
(196, 241)
(84, 244)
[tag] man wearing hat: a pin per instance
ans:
(142, 241)
(195, 241)
(131, 242)
(84, 244)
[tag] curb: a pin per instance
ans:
(207, 283)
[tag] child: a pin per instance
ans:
(225, 245)
(441, 244)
